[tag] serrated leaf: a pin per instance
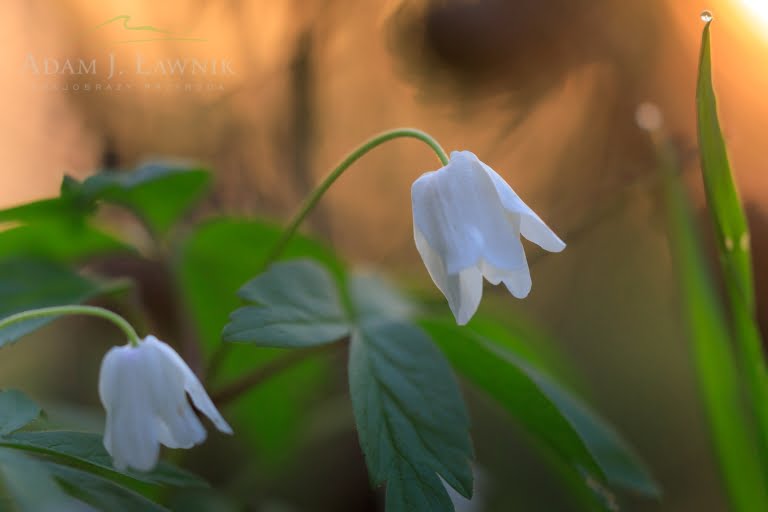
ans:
(546, 410)
(28, 285)
(87, 450)
(103, 494)
(236, 250)
(297, 305)
(410, 416)
(16, 411)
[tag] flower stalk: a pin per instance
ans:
(311, 201)
(116, 319)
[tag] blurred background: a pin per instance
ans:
(544, 91)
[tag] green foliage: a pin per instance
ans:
(216, 260)
(716, 367)
(298, 305)
(52, 470)
(546, 410)
(722, 197)
(16, 411)
(33, 284)
(58, 241)
(404, 396)
(159, 193)
(410, 416)
(732, 234)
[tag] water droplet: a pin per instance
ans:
(648, 117)
(744, 242)
(706, 16)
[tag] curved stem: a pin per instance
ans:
(116, 319)
(311, 201)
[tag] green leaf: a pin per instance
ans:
(59, 241)
(28, 486)
(159, 192)
(298, 305)
(374, 297)
(722, 197)
(410, 416)
(87, 451)
(99, 492)
(236, 250)
(56, 208)
(546, 411)
(16, 411)
(34, 284)
(716, 368)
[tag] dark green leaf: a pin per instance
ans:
(545, 409)
(59, 241)
(234, 251)
(28, 486)
(410, 416)
(45, 210)
(103, 494)
(16, 411)
(297, 305)
(31, 284)
(158, 192)
(87, 450)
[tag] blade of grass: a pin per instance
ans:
(732, 234)
(715, 365)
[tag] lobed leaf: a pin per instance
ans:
(410, 416)
(297, 305)
(234, 250)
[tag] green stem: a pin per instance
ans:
(116, 319)
(311, 201)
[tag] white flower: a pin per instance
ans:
(144, 391)
(467, 223)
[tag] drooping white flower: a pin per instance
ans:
(467, 223)
(144, 391)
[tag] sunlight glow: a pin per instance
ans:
(758, 11)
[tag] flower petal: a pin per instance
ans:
(518, 282)
(531, 225)
(463, 290)
(194, 387)
(130, 435)
(459, 212)
(177, 424)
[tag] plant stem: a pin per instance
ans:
(116, 319)
(311, 201)
(314, 197)
(266, 372)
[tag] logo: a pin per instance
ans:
(130, 63)
(156, 33)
